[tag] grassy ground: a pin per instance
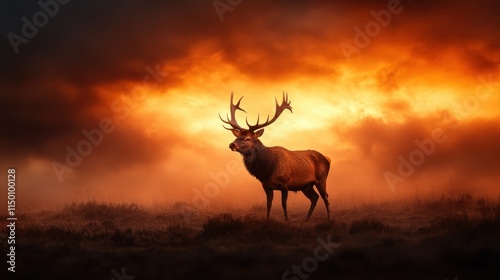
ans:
(447, 238)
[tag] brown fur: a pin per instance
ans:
(280, 169)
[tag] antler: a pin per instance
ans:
(285, 104)
(232, 122)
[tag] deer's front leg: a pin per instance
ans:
(269, 196)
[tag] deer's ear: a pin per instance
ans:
(259, 133)
(236, 132)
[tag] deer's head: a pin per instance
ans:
(247, 139)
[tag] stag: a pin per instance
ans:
(277, 168)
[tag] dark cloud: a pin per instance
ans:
(48, 88)
(470, 150)
(479, 62)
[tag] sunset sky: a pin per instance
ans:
(158, 73)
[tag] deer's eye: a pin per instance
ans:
(247, 139)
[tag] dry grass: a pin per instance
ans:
(425, 239)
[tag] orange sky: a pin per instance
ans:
(433, 66)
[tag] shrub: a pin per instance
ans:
(221, 225)
(364, 226)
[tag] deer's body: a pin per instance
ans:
(278, 168)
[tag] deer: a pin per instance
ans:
(277, 168)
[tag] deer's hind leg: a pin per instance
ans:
(321, 186)
(284, 197)
(310, 193)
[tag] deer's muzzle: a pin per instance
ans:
(233, 147)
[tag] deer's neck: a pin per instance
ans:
(260, 162)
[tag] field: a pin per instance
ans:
(451, 237)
